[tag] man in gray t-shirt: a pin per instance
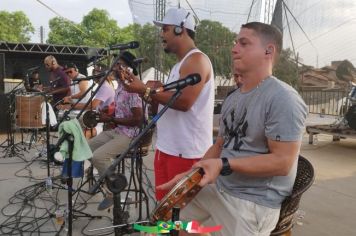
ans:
(252, 165)
(271, 111)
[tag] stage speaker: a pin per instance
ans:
(2, 71)
(4, 114)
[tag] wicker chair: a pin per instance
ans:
(303, 181)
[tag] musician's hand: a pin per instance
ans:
(63, 106)
(103, 117)
(170, 184)
(109, 110)
(47, 89)
(132, 83)
(67, 99)
(39, 87)
(212, 168)
(105, 109)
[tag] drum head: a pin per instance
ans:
(90, 119)
(29, 111)
(181, 194)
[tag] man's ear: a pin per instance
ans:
(269, 50)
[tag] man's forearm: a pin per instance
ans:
(215, 150)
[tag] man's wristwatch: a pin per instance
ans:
(226, 169)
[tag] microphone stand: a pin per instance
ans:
(69, 181)
(67, 112)
(47, 135)
(134, 143)
(11, 149)
(101, 82)
(139, 161)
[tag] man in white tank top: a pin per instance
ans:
(78, 89)
(184, 132)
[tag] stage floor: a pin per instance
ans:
(328, 208)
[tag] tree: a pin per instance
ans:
(147, 36)
(97, 29)
(345, 71)
(64, 32)
(15, 27)
(211, 37)
(286, 69)
(216, 41)
(100, 29)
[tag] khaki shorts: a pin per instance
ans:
(238, 217)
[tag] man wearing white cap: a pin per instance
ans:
(184, 132)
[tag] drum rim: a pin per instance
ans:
(28, 94)
(85, 115)
(177, 186)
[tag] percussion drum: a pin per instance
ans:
(181, 194)
(92, 125)
(90, 119)
(28, 110)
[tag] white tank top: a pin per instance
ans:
(75, 89)
(188, 134)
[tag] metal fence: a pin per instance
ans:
(326, 102)
(333, 103)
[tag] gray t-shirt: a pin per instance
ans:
(273, 110)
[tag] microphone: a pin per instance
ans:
(140, 60)
(179, 84)
(123, 46)
(101, 74)
(33, 68)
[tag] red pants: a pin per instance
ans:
(166, 167)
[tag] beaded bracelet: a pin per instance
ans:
(146, 96)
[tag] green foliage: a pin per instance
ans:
(97, 29)
(100, 29)
(15, 27)
(216, 41)
(345, 71)
(148, 36)
(64, 32)
(286, 69)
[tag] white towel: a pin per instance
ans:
(52, 115)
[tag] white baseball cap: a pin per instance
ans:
(178, 17)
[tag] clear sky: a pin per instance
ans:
(73, 10)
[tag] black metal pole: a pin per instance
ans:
(117, 213)
(175, 217)
(70, 140)
(47, 135)
(134, 142)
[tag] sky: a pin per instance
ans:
(73, 10)
(329, 24)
